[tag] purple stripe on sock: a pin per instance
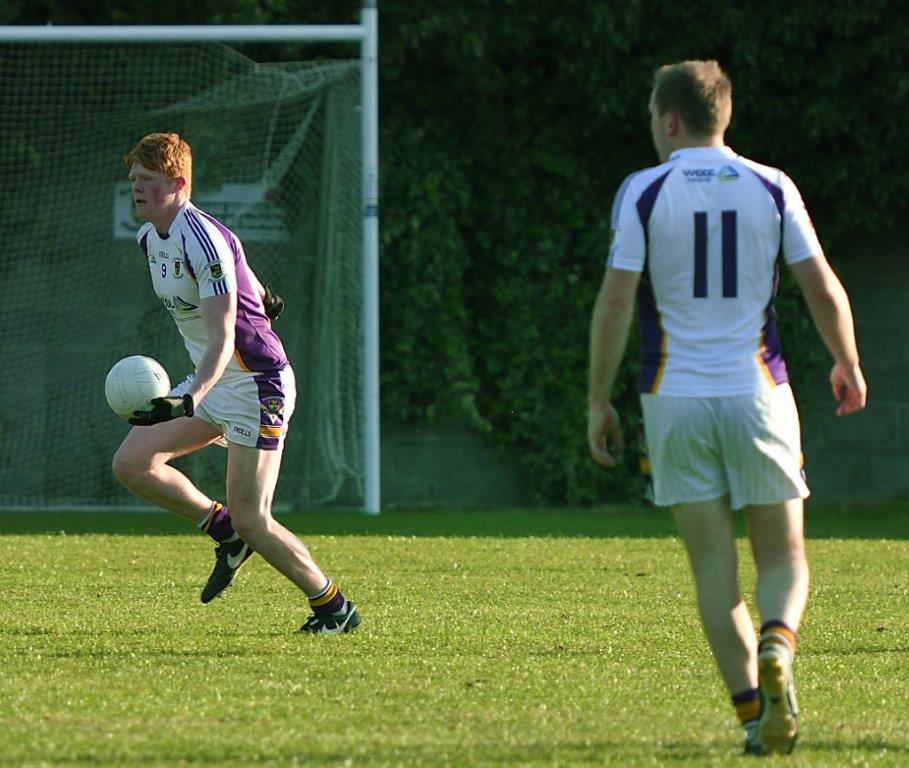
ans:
(774, 623)
(749, 695)
(220, 527)
(332, 606)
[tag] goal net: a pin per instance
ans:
(276, 157)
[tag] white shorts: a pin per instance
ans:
(747, 446)
(250, 409)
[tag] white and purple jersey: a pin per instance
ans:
(706, 229)
(199, 258)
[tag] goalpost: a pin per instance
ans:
(276, 154)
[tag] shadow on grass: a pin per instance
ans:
(884, 520)
(604, 522)
(866, 744)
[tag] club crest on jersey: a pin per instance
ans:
(178, 268)
(216, 272)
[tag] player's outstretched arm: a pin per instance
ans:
(829, 307)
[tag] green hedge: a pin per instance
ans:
(506, 128)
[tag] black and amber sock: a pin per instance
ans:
(779, 633)
(747, 707)
(328, 601)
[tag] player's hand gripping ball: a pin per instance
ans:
(164, 409)
(133, 383)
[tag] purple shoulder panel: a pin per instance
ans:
(648, 198)
(775, 191)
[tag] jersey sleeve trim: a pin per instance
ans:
(209, 249)
(619, 196)
(198, 229)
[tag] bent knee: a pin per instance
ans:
(250, 527)
(129, 467)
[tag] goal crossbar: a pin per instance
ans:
(366, 35)
(166, 33)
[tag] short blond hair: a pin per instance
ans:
(166, 153)
(699, 92)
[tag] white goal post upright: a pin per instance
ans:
(366, 35)
(369, 56)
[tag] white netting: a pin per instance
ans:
(276, 155)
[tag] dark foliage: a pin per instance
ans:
(505, 130)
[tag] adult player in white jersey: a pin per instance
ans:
(241, 393)
(697, 238)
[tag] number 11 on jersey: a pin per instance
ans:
(729, 254)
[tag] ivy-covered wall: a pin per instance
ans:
(506, 127)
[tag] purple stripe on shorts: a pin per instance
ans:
(271, 408)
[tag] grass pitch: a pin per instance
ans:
(489, 638)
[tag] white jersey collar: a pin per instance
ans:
(173, 224)
(702, 153)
